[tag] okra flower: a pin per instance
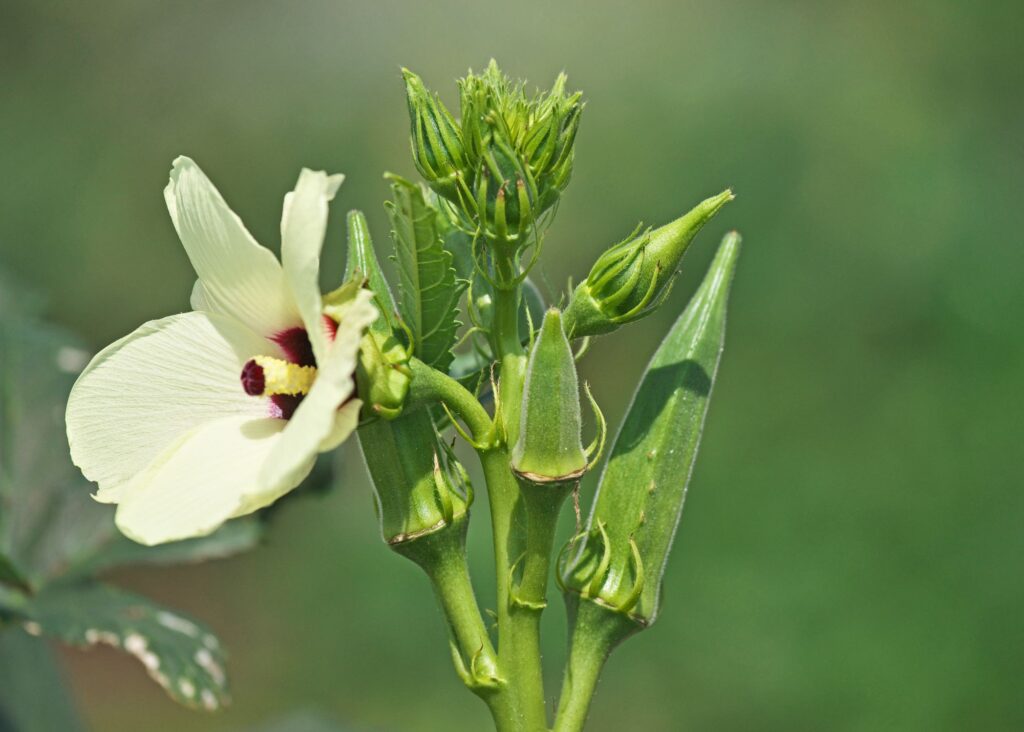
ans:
(204, 416)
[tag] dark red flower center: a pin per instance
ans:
(253, 379)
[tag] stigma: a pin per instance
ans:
(267, 376)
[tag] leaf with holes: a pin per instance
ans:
(429, 290)
(178, 653)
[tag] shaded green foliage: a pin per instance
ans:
(33, 691)
(54, 537)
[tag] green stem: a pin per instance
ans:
(518, 629)
(542, 503)
(507, 346)
(449, 575)
(581, 675)
(518, 703)
(430, 386)
(518, 613)
(520, 638)
(595, 631)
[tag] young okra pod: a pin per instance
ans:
(619, 559)
(549, 448)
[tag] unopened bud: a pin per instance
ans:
(634, 277)
(436, 139)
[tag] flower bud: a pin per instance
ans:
(634, 277)
(436, 139)
(619, 560)
(549, 448)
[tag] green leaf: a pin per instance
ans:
(429, 290)
(12, 602)
(620, 562)
(47, 517)
(234, 537)
(177, 652)
(33, 695)
(10, 575)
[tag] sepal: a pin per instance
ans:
(362, 264)
(383, 375)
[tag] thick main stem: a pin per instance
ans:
(518, 625)
(517, 702)
(518, 641)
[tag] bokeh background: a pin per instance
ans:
(851, 555)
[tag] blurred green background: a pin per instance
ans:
(852, 549)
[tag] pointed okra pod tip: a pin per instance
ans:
(619, 560)
(633, 278)
(549, 448)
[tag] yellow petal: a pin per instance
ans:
(303, 225)
(201, 482)
(239, 277)
(143, 392)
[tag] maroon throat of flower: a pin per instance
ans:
(286, 381)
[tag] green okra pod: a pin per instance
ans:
(619, 560)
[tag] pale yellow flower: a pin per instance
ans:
(204, 416)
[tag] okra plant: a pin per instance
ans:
(198, 419)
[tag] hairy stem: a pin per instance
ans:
(430, 386)
(581, 675)
(595, 630)
(449, 576)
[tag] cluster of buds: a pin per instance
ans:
(505, 162)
